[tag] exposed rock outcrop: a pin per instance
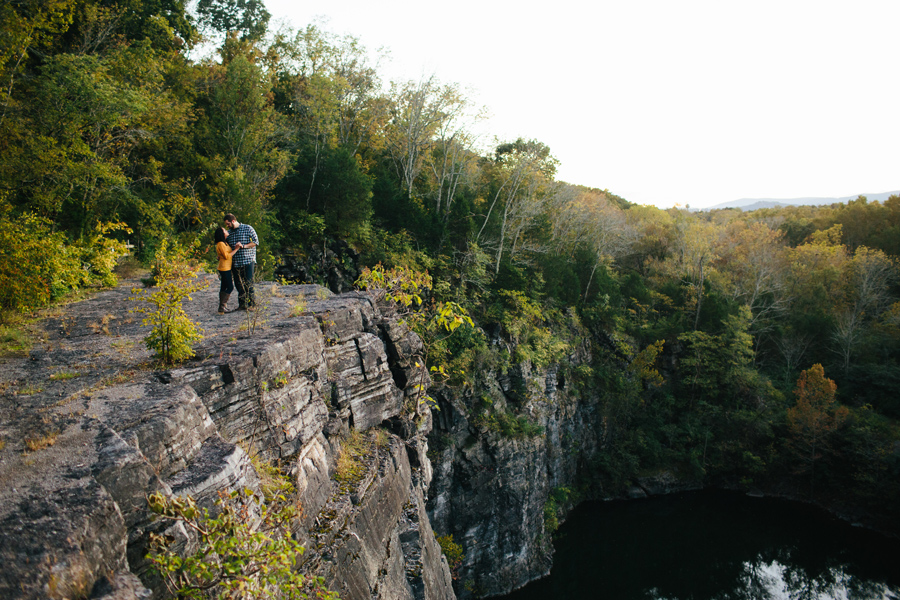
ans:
(334, 264)
(490, 489)
(86, 436)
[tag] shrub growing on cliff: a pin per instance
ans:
(172, 333)
(511, 426)
(239, 555)
(528, 325)
(404, 287)
(453, 552)
(434, 323)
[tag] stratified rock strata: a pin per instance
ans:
(81, 451)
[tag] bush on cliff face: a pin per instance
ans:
(453, 552)
(560, 498)
(246, 551)
(511, 426)
(533, 329)
(435, 322)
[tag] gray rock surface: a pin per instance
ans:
(88, 428)
(490, 491)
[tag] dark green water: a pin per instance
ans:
(715, 545)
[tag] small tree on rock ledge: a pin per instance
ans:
(172, 333)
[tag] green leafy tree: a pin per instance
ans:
(331, 95)
(26, 25)
(344, 195)
(752, 263)
(588, 221)
(695, 247)
(521, 175)
(83, 116)
(866, 294)
(240, 139)
(247, 17)
(419, 110)
(716, 366)
(172, 333)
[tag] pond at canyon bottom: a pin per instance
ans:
(715, 545)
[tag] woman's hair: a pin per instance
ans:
(219, 235)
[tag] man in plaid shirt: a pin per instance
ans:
(244, 260)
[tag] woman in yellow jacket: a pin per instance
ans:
(224, 252)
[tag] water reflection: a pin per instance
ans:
(716, 546)
(776, 581)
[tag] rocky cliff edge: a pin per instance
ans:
(89, 428)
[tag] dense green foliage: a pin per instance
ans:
(689, 330)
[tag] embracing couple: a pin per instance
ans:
(236, 248)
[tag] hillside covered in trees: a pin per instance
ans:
(751, 349)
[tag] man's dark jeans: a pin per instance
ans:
(243, 281)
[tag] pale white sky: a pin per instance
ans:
(663, 101)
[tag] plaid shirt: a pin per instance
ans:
(243, 234)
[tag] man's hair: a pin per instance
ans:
(219, 235)
(230, 217)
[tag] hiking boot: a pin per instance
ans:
(223, 300)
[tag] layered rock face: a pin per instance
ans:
(490, 490)
(85, 437)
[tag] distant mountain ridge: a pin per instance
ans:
(748, 204)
